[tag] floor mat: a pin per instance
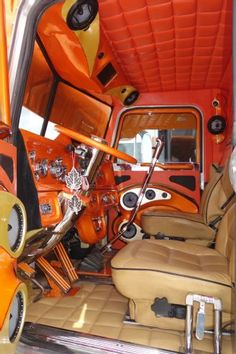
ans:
(99, 309)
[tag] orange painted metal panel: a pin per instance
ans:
(8, 282)
(55, 214)
(50, 150)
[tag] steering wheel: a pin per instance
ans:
(88, 141)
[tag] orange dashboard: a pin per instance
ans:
(49, 161)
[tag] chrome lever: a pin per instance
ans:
(200, 325)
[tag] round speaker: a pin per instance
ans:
(130, 199)
(150, 194)
(216, 125)
(82, 14)
(13, 225)
(130, 232)
(131, 98)
(16, 316)
(13, 323)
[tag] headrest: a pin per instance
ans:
(232, 169)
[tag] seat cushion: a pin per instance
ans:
(189, 226)
(147, 269)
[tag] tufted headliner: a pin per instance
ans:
(164, 45)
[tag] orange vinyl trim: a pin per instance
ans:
(161, 46)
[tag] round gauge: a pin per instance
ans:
(16, 316)
(15, 227)
(216, 125)
(81, 14)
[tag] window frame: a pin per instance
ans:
(166, 109)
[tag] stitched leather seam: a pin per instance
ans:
(175, 274)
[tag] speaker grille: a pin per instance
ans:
(81, 14)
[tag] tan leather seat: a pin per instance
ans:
(194, 228)
(149, 269)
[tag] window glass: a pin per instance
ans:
(178, 131)
(33, 122)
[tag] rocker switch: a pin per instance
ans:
(200, 325)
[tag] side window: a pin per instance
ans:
(32, 122)
(178, 130)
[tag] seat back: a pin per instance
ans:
(218, 192)
(225, 238)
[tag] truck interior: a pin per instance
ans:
(117, 178)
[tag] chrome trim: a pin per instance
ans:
(43, 241)
(21, 49)
(36, 337)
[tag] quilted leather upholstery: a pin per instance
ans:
(147, 269)
(166, 45)
(99, 310)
